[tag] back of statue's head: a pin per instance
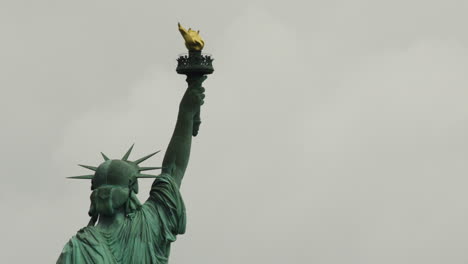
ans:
(114, 185)
(116, 173)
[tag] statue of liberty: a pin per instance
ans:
(121, 229)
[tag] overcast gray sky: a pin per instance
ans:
(333, 131)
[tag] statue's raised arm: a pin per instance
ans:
(195, 66)
(178, 151)
(121, 229)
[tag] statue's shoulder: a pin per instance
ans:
(87, 235)
(87, 246)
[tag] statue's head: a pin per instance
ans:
(114, 185)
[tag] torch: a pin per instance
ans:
(195, 65)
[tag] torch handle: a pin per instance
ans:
(195, 81)
(196, 124)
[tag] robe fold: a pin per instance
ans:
(144, 237)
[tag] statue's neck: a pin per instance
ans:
(110, 223)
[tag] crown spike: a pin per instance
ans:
(125, 157)
(88, 167)
(82, 177)
(146, 176)
(104, 156)
(138, 161)
(149, 168)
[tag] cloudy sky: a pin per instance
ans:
(333, 131)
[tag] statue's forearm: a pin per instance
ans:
(178, 151)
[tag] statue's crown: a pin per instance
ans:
(121, 172)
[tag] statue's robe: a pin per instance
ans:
(144, 237)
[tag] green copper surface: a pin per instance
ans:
(122, 230)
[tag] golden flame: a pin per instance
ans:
(193, 41)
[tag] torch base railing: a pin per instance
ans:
(195, 63)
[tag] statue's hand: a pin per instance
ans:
(193, 97)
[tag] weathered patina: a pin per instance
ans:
(121, 229)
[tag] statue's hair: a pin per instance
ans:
(132, 204)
